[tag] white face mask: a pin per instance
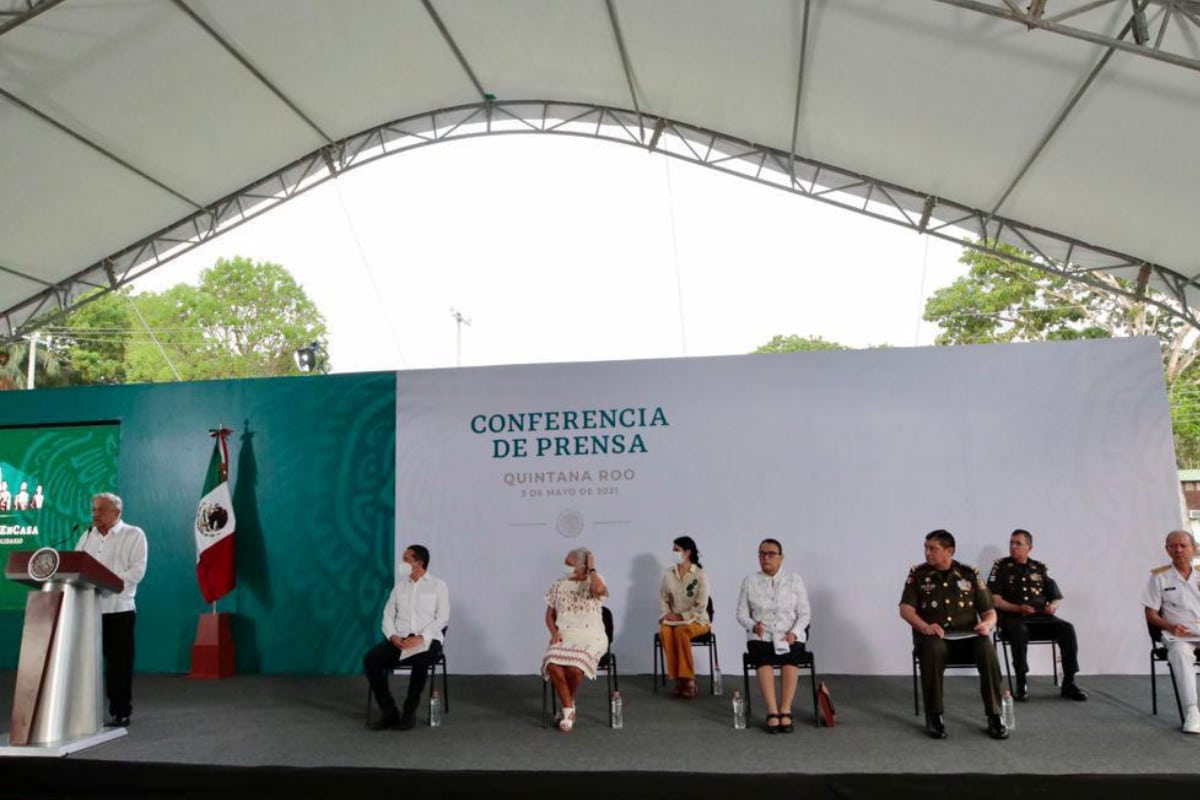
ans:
(676, 557)
(404, 570)
(568, 569)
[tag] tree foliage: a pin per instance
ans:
(244, 319)
(14, 365)
(1004, 301)
(793, 344)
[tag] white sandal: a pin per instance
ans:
(568, 719)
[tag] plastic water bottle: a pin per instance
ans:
(615, 704)
(435, 709)
(716, 680)
(1006, 711)
(739, 711)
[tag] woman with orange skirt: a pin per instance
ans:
(684, 613)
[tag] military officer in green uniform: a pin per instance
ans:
(943, 600)
(1027, 598)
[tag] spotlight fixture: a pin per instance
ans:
(659, 127)
(1141, 26)
(926, 213)
(311, 358)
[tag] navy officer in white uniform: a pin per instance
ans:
(1172, 604)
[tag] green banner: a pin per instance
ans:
(48, 475)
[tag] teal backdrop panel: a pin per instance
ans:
(312, 473)
(47, 472)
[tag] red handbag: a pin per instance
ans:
(825, 714)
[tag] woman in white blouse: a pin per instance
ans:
(576, 624)
(773, 608)
(683, 613)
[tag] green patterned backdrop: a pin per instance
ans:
(313, 488)
(69, 463)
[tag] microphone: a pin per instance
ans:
(68, 542)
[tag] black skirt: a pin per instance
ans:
(762, 654)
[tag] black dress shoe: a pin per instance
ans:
(996, 728)
(390, 719)
(934, 726)
(1071, 691)
(407, 722)
(1022, 691)
(117, 722)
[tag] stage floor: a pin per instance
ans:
(494, 726)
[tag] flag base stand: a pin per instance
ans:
(212, 652)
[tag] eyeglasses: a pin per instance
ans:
(768, 554)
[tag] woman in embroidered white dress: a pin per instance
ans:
(577, 637)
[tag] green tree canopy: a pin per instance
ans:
(1004, 301)
(245, 319)
(793, 343)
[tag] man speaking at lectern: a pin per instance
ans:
(122, 549)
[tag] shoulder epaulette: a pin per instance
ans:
(1160, 570)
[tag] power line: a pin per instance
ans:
(166, 358)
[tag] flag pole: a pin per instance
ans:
(213, 649)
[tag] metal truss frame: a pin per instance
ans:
(14, 12)
(1147, 20)
(923, 214)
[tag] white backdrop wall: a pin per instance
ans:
(848, 458)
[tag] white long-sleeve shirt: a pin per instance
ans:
(780, 603)
(420, 607)
(123, 550)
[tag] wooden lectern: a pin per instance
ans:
(58, 701)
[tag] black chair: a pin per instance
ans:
(607, 665)
(951, 663)
(1158, 652)
(1000, 637)
(708, 640)
(440, 661)
(809, 663)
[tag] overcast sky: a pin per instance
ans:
(560, 249)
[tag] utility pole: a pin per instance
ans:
(459, 321)
(33, 343)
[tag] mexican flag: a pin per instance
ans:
(214, 526)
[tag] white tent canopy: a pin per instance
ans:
(134, 129)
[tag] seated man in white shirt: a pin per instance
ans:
(413, 620)
(1172, 603)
